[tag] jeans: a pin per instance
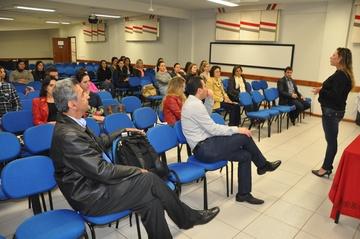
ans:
(330, 122)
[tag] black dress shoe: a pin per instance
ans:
(248, 198)
(207, 215)
(269, 166)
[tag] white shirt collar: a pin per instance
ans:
(81, 121)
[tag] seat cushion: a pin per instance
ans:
(106, 219)
(208, 166)
(187, 172)
(258, 115)
(58, 224)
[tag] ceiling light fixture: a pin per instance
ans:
(7, 18)
(35, 9)
(226, 3)
(151, 9)
(108, 16)
(55, 22)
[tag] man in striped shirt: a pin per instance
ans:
(9, 99)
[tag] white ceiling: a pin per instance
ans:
(75, 11)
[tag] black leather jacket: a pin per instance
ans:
(82, 175)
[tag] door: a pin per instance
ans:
(61, 50)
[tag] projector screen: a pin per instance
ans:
(257, 55)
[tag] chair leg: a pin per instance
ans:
(138, 226)
(86, 236)
(29, 203)
(227, 180)
(287, 121)
(205, 194)
(43, 202)
(92, 230)
(269, 128)
(259, 130)
(232, 178)
(179, 147)
(51, 201)
(130, 219)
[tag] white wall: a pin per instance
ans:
(26, 44)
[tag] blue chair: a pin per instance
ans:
(149, 72)
(36, 85)
(29, 177)
(256, 117)
(37, 139)
(161, 116)
(271, 95)
(26, 104)
(9, 150)
(256, 85)
(17, 121)
(117, 121)
(89, 68)
(105, 95)
(21, 95)
(135, 85)
(131, 103)
(19, 87)
(69, 71)
(144, 118)
(225, 83)
(274, 113)
(163, 138)
(93, 126)
(33, 94)
(207, 166)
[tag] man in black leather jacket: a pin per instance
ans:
(95, 187)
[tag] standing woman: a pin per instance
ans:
(221, 99)
(332, 98)
(174, 100)
(43, 108)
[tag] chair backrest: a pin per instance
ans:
(19, 87)
(263, 84)
(105, 95)
(33, 94)
(69, 70)
(36, 85)
(144, 118)
(248, 85)
(117, 121)
(149, 71)
(217, 118)
(28, 176)
(26, 104)
(38, 139)
(245, 99)
(161, 116)
(257, 97)
(225, 83)
(89, 67)
(270, 94)
(179, 133)
(21, 95)
(93, 126)
(162, 138)
(131, 103)
(17, 121)
(256, 85)
(134, 81)
(9, 146)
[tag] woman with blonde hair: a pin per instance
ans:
(174, 100)
(332, 97)
(204, 70)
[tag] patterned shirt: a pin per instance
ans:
(9, 99)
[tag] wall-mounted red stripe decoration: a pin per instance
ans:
(130, 28)
(137, 28)
(230, 24)
(150, 27)
(357, 17)
(270, 24)
(249, 24)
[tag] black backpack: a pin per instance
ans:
(135, 150)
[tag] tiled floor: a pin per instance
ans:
(296, 202)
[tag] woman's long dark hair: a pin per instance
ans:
(44, 85)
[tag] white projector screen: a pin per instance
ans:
(257, 55)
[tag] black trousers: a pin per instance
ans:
(330, 122)
(300, 105)
(234, 113)
(149, 196)
(237, 147)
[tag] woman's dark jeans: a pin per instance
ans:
(330, 122)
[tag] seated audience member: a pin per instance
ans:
(129, 67)
(221, 99)
(104, 76)
(211, 142)
(157, 63)
(96, 108)
(9, 99)
(114, 62)
(191, 71)
(20, 75)
(237, 84)
(39, 71)
(43, 107)
(177, 71)
(187, 65)
(92, 87)
(163, 77)
(52, 72)
(290, 95)
(174, 100)
(120, 77)
(204, 70)
(95, 187)
(139, 68)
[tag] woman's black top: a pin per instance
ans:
(103, 75)
(52, 112)
(119, 77)
(335, 91)
(38, 75)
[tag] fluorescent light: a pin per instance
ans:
(108, 16)
(35, 9)
(226, 3)
(7, 18)
(65, 23)
(55, 22)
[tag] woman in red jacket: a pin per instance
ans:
(174, 100)
(43, 108)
